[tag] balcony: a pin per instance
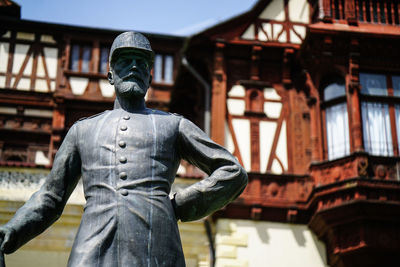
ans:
(353, 12)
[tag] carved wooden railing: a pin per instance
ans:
(386, 12)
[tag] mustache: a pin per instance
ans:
(133, 74)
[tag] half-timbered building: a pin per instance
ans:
(305, 93)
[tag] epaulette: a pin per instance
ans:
(176, 114)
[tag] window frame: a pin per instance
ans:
(325, 104)
(163, 74)
(391, 100)
(82, 47)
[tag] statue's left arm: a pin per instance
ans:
(47, 204)
(226, 178)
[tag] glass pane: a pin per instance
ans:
(397, 114)
(376, 129)
(337, 128)
(373, 84)
(75, 58)
(103, 60)
(396, 85)
(334, 90)
(158, 68)
(86, 58)
(169, 68)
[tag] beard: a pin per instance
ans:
(130, 88)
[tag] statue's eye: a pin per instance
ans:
(143, 63)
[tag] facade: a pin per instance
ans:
(304, 93)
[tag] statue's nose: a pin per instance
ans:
(133, 64)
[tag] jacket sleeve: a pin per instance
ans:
(46, 205)
(226, 178)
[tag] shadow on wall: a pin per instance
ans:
(297, 232)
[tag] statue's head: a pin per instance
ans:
(131, 60)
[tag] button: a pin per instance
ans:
(126, 117)
(123, 175)
(123, 128)
(122, 143)
(122, 159)
(124, 192)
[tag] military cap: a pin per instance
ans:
(133, 40)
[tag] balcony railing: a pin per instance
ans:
(385, 12)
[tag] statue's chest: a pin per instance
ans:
(137, 136)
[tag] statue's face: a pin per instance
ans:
(131, 73)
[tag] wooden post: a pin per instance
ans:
(353, 86)
(218, 101)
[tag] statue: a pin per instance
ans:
(128, 158)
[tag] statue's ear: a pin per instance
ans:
(110, 78)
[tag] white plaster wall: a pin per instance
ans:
(38, 113)
(249, 33)
(262, 36)
(237, 91)
(282, 38)
(267, 133)
(52, 86)
(41, 159)
(47, 39)
(7, 110)
(276, 167)
(277, 29)
(2, 81)
(242, 132)
(50, 54)
(28, 67)
(24, 84)
(78, 85)
(19, 56)
(277, 244)
(26, 36)
(270, 93)
(294, 38)
(272, 109)
(229, 145)
(275, 11)
(268, 29)
(4, 48)
(300, 30)
(107, 90)
(236, 106)
(299, 11)
(41, 85)
(7, 34)
(40, 72)
(281, 148)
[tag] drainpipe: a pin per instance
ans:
(207, 93)
(207, 225)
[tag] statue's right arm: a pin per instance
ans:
(46, 205)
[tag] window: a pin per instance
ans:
(163, 68)
(80, 58)
(380, 116)
(103, 66)
(336, 118)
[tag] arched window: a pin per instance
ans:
(336, 118)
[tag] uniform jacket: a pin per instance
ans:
(128, 162)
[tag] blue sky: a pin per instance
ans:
(176, 17)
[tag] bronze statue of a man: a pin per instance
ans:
(128, 158)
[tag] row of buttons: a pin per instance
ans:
(123, 159)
